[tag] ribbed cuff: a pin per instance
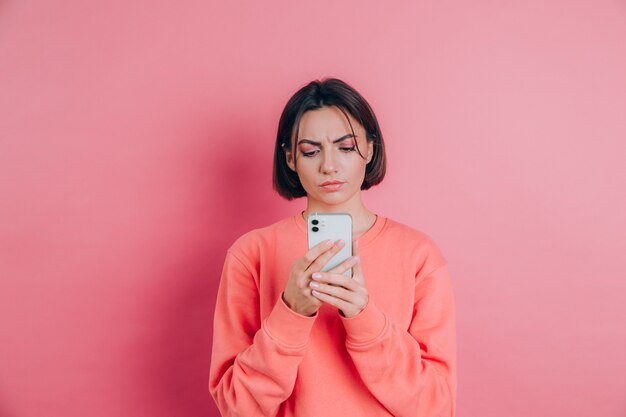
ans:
(366, 326)
(288, 327)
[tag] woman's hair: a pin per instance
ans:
(317, 94)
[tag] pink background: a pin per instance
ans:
(136, 143)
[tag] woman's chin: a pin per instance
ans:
(329, 199)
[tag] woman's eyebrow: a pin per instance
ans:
(312, 142)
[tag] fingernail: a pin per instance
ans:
(340, 243)
(329, 243)
(314, 285)
(317, 275)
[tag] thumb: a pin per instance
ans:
(357, 270)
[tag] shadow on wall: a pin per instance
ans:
(233, 193)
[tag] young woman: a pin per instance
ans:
(290, 340)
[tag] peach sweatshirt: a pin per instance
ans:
(395, 358)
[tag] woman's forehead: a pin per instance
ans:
(326, 123)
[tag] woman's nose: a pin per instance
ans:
(328, 161)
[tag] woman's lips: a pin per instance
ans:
(331, 186)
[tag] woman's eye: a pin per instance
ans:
(310, 153)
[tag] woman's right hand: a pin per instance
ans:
(297, 294)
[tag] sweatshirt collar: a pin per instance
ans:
(365, 239)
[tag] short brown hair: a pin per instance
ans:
(327, 92)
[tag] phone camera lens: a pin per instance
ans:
(314, 228)
(315, 221)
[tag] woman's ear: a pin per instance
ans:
(370, 151)
(289, 159)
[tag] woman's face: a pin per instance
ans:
(327, 161)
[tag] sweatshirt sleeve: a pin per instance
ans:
(254, 362)
(412, 372)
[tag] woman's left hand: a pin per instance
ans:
(349, 295)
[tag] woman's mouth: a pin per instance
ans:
(331, 185)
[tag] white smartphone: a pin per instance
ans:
(334, 226)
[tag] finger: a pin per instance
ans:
(355, 247)
(338, 280)
(318, 264)
(344, 266)
(357, 272)
(335, 291)
(312, 254)
(357, 269)
(323, 259)
(334, 301)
